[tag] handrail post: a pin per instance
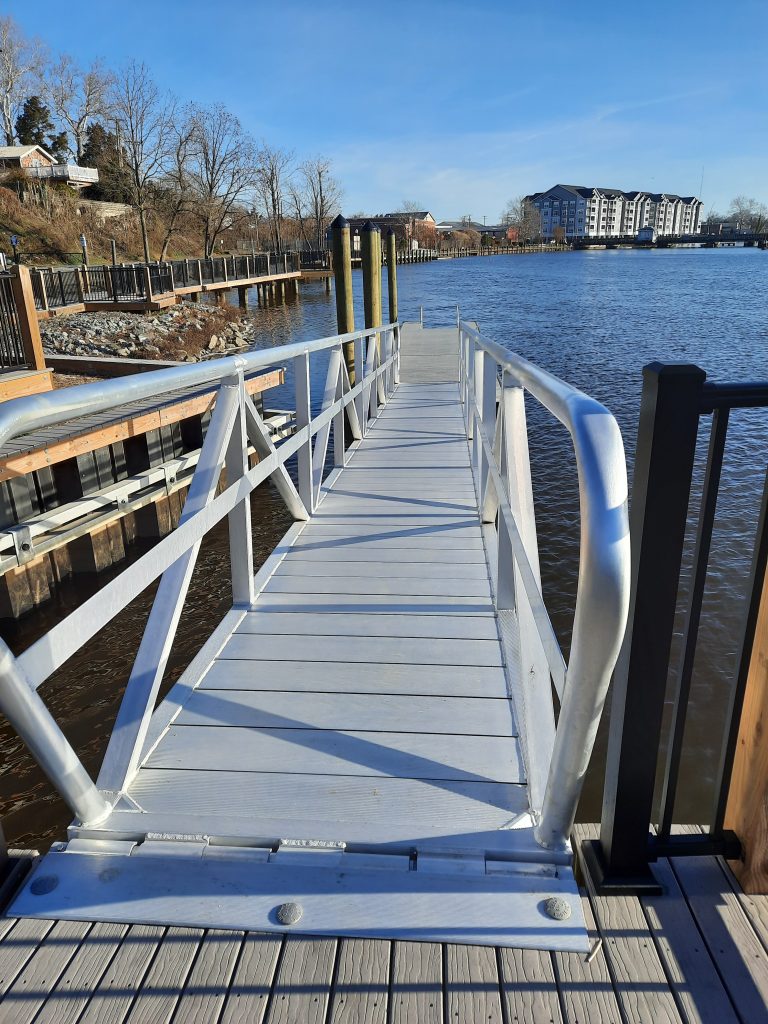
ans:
(345, 308)
(370, 243)
(24, 300)
(32, 720)
(240, 539)
(666, 448)
(304, 419)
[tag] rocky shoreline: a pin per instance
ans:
(188, 332)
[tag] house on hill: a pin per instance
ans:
(37, 162)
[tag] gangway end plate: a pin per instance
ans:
(338, 898)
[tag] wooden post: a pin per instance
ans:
(24, 299)
(114, 252)
(392, 274)
(342, 271)
(371, 255)
(747, 810)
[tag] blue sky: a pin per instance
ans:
(462, 105)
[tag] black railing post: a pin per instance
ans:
(664, 460)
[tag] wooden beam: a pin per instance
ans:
(747, 811)
(21, 286)
(25, 382)
(68, 447)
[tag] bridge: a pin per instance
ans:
(372, 702)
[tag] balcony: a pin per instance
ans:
(73, 174)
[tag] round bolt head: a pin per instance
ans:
(43, 884)
(25, 545)
(289, 913)
(557, 908)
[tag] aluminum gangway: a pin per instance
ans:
(367, 743)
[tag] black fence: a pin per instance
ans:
(12, 355)
(133, 282)
(675, 398)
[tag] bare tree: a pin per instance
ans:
(145, 118)
(78, 96)
(21, 62)
(273, 169)
(520, 213)
(316, 198)
(174, 193)
(222, 168)
(748, 214)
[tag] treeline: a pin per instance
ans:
(178, 164)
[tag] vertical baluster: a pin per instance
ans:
(240, 539)
(304, 419)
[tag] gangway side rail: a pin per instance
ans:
(492, 383)
(236, 425)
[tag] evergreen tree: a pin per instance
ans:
(35, 127)
(34, 124)
(101, 150)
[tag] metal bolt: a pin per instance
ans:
(26, 546)
(43, 884)
(289, 913)
(558, 908)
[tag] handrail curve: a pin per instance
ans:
(602, 600)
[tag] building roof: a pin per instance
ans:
(6, 152)
(613, 193)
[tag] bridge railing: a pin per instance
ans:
(235, 425)
(493, 382)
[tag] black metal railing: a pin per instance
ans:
(675, 398)
(68, 286)
(12, 356)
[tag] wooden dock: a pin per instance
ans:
(695, 954)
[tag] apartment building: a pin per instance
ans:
(573, 211)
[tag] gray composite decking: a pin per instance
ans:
(698, 953)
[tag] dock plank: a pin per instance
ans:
(528, 986)
(453, 627)
(29, 991)
(251, 985)
(585, 986)
(361, 984)
(164, 983)
(345, 677)
(115, 992)
(370, 650)
(416, 987)
(209, 979)
(472, 984)
(302, 987)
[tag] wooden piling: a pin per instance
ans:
(371, 258)
(342, 272)
(747, 811)
(242, 296)
(392, 274)
(24, 299)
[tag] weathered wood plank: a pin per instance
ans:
(302, 987)
(528, 986)
(18, 947)
(69, 996)
(638, 975)
(472, 984)
(361, 986)
(252, 982)
(29, 991)
(693, 977)
(728, 933)
(116, 990)
(159, 994)
(416, 993)
(208, 983)
(585, 987)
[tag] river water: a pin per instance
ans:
(593, 318)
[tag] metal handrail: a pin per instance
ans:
(602, 600)
(173, 558)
